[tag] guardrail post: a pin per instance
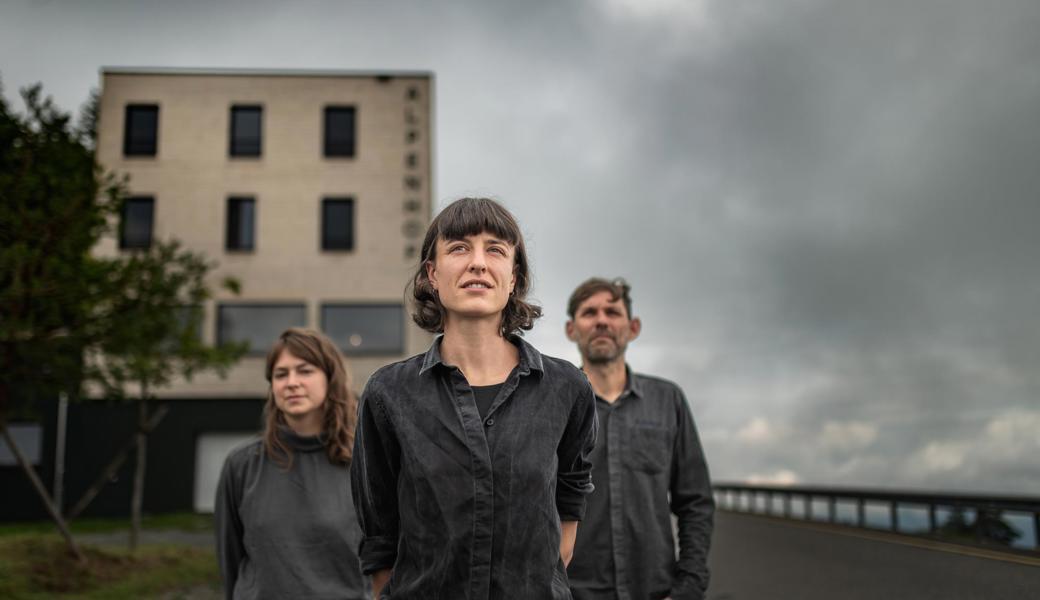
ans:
(787, 506)
(932, 524)
(861, 519)
(808, 507)
(894, 509)
(832, 511)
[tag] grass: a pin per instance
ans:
(183, 521)
(35, 564)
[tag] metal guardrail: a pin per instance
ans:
(731, 495)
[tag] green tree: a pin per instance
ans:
(69, 318)
(55, 206)
(152, 310)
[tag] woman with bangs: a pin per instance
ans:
(471, 460)
(284, 513)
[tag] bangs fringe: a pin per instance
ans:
(480, 215)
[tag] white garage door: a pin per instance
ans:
(210, 451)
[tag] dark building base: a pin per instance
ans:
(97, 430)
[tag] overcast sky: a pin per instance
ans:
(828, 211)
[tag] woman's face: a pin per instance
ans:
(473, 276)
(299, 388)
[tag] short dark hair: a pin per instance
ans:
(461, 218)
(617, 287)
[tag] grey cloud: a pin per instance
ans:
(827, 209)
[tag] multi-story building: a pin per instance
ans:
(311, 188)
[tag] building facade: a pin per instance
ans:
(312, 189)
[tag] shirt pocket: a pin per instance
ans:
(649, 448)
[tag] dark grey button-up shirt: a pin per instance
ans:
(462, 507)
(648, 465)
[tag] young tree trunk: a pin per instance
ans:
(114, 465)
(42, 492)
(137, 498)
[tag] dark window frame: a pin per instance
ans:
(133, 146)
(235, 146)
(400, 346)
(327, 244)
(219, 339)
(144, 200)
(231, 233)
(337, 149)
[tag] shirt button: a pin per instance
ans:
(489, 422)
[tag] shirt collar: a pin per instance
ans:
(632, 384)
(300, 443)
(530, 358)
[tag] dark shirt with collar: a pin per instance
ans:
(648, 465)
(465, 507)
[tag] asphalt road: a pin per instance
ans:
(763, 558)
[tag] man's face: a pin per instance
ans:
(602, 328)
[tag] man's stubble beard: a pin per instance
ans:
(594, 356)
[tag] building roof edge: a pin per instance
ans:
(252, 72)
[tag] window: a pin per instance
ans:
(339, 131)
(135, 224)
(365, 328)
(337, 224)
(246, 130)
(29, 438)
(188, 328)
(257, 324)
(189, 320)
(241, 223)
(140, 129)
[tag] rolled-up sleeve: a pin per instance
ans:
(373, 473)
(574, 476)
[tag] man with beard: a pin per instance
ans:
(647, 466)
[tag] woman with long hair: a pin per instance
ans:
(284, 512)
(471, 460)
